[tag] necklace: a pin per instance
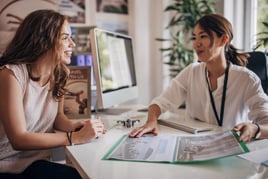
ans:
(219, 120)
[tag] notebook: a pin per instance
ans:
(190, 125)
(186, 126)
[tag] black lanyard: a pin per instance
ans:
(219, 120)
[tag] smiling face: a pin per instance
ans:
(206, 46)
(67, 44)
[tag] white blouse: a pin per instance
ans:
(40, 110)
(245, 99)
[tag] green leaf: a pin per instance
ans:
(265, 24)
(160, 39)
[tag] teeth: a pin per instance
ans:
(69, 53)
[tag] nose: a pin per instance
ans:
(72, 43)
(196, 44)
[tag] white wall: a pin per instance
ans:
(242, 15)
(147, 25)
(234, 12)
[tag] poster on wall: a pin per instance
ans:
(120, 26)
(77, 101)
(12, 14)
(112, 15)
(73, 9)
(81, 36)
(112, 6)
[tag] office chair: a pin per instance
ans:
(257, 62)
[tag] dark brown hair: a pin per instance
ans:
(221, 26)
(39, 33)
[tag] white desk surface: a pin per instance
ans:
(87, 158)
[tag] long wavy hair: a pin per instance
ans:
(220, 25)
(39, 33)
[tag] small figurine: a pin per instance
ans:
(128, 123)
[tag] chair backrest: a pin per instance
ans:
(257, 62)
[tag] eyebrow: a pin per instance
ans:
(202, 32)
(64, 33)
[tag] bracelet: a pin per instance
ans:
(258, 130)
(69, 136)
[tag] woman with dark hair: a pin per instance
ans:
(219, 90)
(33, 75)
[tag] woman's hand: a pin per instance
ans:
(87, 130)
(149, 127)
(247, 131)
(78, 125)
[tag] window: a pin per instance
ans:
(262, 16)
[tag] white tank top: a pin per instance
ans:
(40, 110)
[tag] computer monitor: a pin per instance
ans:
(114, 68)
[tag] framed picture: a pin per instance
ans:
(74, 10)
(81, 35)
(112, 6)
(77, 101)
(115, 24)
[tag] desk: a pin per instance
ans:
(87, 158)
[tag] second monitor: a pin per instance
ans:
(114, 68)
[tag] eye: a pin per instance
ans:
(193, 38)
(65, 37)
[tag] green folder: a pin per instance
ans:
(177, 149)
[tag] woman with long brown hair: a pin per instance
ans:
(33, 75)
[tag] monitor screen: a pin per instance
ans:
(114, 68)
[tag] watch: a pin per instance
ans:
(258, 133)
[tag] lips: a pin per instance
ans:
(68, 53)
(199, 52)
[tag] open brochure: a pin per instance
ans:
(177, 149)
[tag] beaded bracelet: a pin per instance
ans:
(69, 136)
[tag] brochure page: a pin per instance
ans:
(177, 149)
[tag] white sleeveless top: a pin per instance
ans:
(40, 110)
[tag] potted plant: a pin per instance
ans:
(262, 38)
(186, 13)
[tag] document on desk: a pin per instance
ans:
(258, 152)
(177, 149)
